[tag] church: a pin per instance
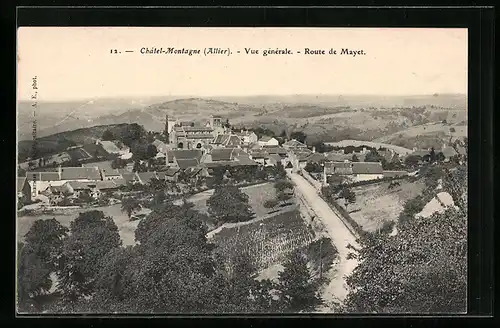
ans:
(188, 135)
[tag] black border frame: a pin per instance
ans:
(480, 23)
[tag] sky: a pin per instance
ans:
(75, 63)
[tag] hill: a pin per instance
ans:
(322, 117)
(61, 141)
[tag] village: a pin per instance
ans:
(192, 152)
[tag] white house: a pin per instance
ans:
(247, 137)
(268, 141)
(40, 181)
(110, 147)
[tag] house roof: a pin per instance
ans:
(129, 177)
(367, 168)
(184, 154)
(245, 160)
(43, 176)
(145, 177)
(199, 136)
(110, 147)
(186, 163)
(294, 144)
(78, 185)
(336, 157)
(233, 141)
(259, 154)
(158, 143)
(265, 138)
(80, 173)
(197, 129)
(104, 166)
(110, 184)
(275, 150)
(316, 157)
(223, 154)
(276, 157)
(227, 140)
(171, 171)
(20, 183)
(303, 156)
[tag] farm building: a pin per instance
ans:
(40, 181)
(367, 171)
(354, 171)
(174, 156)
(107, 171)
(268, 141)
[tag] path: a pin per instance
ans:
(339, 234)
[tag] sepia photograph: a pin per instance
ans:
(189, 170)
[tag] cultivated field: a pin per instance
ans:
(376, 203)
(267, 242)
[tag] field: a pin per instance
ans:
(266, 241)
(376, 203)
(126, 228)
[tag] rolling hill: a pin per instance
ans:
(325, 117)
(61, 141)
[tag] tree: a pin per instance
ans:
(139, 167)
(412, 161)
(108, 136)
(354, 158)
(313, 167)
(348, 195)
(432, 155)
(229, 204)
(280, 171)
(45, 238)
(440, 157)
(38, 257)
(373, 156)
(93, 235)
(321, 147)
(452, 130)
(282, 185)
(271, 204)
(133, 133)
(130, 205)
(151, 151)
(283, 198)
(427, 260)
(33, 278)
(297, 292)
(299, 136)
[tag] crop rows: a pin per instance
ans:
(266, 244)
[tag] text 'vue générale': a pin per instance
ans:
(249, 51)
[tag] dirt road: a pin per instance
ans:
(339, 234)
